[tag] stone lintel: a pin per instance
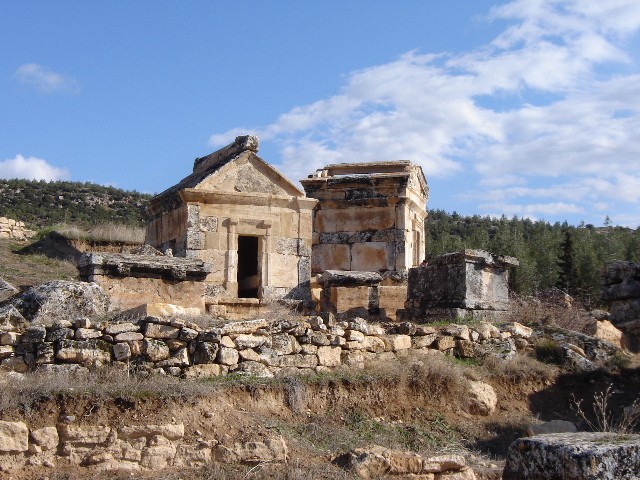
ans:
(342, 278)
(195, 195)
(130, 265)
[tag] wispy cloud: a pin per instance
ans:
(31, 168)
(553, 100)
(45, 80)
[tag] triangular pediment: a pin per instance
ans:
(248, 173)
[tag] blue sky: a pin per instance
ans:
(528, 107)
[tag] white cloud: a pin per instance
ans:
(45, 80)
(31, 168)
(546, 113)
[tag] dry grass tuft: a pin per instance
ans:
(544, 311)
(105, 232)
(519, 368)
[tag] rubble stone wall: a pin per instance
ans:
(10, 228)
(256, 347)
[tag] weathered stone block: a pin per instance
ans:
(128, 337)
(84, 352)
(154, 330)
(329, 356)
(372, 256)
(250, 341)
(228, 356)
(116, 328)
(14, 437)
(155, 350)
(89, 435)
(46, 438)
(330, 257)
(87, 333)
(204, 371)
(205, 352)
(580, 456)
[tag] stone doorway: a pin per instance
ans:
(248, 267)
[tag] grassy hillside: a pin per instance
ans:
(41, 204)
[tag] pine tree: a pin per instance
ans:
(566, 266)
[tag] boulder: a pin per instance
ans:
(62, 299)
(481, 398)
(578, 456)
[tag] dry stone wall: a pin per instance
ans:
(257, 347)
(10, 228)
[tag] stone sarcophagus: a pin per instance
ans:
(468, 283)
(239, 214)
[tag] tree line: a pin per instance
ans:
(571, 258)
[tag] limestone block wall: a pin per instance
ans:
(257, 347)
(10, 228)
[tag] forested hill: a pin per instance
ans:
(561, 255)
(41, 204)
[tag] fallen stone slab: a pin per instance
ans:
(575, 456)
(340, 278)
(127, 265)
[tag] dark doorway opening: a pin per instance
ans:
(248, 272)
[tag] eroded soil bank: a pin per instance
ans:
(320, 417)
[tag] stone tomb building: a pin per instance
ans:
(369, 218)
(240, 215)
